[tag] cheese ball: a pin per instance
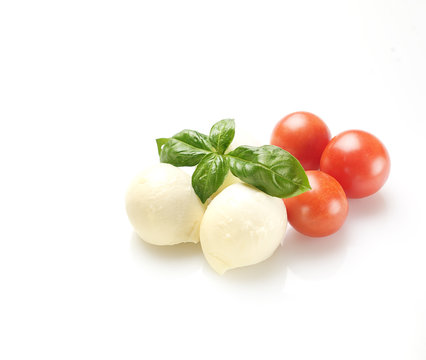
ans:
(241, 226)
(243, 137)
(229, 180)
(163, 207)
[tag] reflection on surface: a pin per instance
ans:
(185, 257)
(267, 276)
(311, 259)
(371, 206)
(315, 258)
(307, 258)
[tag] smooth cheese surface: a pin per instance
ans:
(162, 206)
(242, 226)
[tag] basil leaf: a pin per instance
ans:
(194, 139)
(209, 175)
(221, 134)
(270, 169)
(186, 148)
(160, 143)
(179, 153)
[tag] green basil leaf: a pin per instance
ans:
(160, 143)
(209, 175)
(179, 153)
(221, 134)
(270, 169)
(186, 148)
(194, 139)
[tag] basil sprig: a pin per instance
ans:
(268, 168)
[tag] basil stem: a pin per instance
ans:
(268, 168)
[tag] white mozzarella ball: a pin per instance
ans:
(242, 226)
(163, 207)
(229, 180)
(243, 138)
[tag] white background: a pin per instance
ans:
(87, 86)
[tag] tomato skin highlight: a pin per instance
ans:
(358, 161)
(304, 135)
(320, 211)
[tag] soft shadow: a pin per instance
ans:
(315, 258)
(374, 205)
(308, 258)
(268, 275)
(176, 257)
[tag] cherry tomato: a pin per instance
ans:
(358, 161)
(304, 135)
(320, 211)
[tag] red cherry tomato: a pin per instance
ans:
(320, 211)
(304, 135)
(358, 161)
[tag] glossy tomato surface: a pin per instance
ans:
(320, 211)
(358, 161)
(304, 135)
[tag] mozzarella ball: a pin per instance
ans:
(229, 180)
(242, 226)
(163, 207)
(243, 137)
